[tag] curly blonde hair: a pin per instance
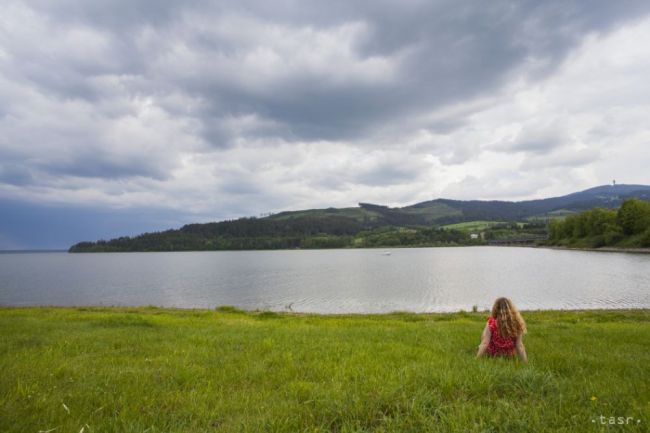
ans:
(509, 321)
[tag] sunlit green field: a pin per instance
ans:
(159, 370)
(472, 225)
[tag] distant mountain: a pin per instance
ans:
(607, 196)
(445, 211)
(334, 227)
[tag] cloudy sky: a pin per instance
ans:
(123, 116)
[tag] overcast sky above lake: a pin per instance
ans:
(123, 116)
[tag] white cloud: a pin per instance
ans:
(579, 127)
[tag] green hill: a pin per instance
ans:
(372, 225)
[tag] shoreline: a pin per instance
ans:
(229, 309)
(635, 250)
(598, 250)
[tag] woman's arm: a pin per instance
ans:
(485, 341)
(521, 350)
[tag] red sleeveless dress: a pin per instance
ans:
(500, 346)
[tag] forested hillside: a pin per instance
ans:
(627, 227)
(372, 225)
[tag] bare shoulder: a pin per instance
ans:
(487, 333)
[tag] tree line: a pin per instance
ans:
(629, 226)
(253, 234)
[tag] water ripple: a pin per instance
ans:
(331, 281)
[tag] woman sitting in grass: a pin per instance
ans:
(504, 332)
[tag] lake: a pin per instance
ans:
(331, 281)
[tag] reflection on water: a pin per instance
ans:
(331, 281)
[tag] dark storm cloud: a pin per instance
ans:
(440, 52)
(33, 226)
(15, 174)
(96, 166)
(388, 173)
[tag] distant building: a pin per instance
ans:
(473, 235)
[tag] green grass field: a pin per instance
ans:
(161, 370)
(472, 226)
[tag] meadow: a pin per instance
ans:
(225, 370)
(472, 226)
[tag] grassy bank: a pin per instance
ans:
(159, 370)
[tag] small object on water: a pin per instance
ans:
(386, 253)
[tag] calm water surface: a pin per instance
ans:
(331, 281)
